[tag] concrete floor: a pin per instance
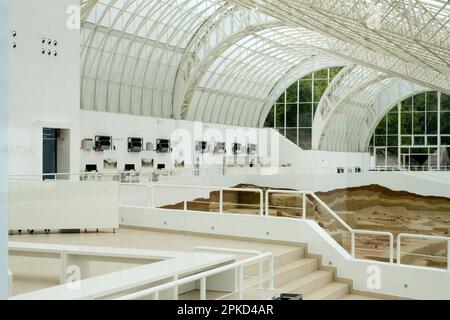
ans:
(37, 273)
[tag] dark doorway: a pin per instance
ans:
(49, 152)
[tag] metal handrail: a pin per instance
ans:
(238, 266)
(220, 189)
(271, 191)
(238, 251)
(425, 237)
(335, 216)
(379, 233)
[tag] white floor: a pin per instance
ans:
(37, 273)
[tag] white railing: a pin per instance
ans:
(423, 237)
(272, 191)
(352, 231)
(375, 233)
(221, 191)
(202, 277)
(245, 252)
(156, 175)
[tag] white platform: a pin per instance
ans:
(63, 205)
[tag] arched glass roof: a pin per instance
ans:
(226, 61)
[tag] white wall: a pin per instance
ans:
(43, 90)
(422, 283)
(291, 154)
(182, 134)
(273, 148)
(63, 205)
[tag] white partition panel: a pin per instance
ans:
(63, 205)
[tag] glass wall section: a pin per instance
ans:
(293, 112)
(412, 132)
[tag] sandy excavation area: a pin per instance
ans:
(370, 207)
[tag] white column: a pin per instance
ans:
(5, 45)
(439, 130)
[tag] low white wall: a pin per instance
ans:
(296, 157)
(63, 205)
(183, 135)
(397, 280)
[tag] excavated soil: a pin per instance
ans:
(371, 207)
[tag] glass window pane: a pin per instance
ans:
(381, 129)
(291, 94)
(419, 102)
(419, 140)
(431, 101)
(432, 140)
(280, 115)
(334, 71)
(406, 140)
(407, 104)
(392, 141)
(291, 115)
(445, 141)
(319, 88)
(291, 134)
(269, 120)
(322, 74)
(305, 119)
(281, 99)
(445, 102)
(392, 123)
(305, 139)
(305, 91)
(432, 123)
(419, 122)
(380, 141)
(392, 156)
(406, 122)
(445, 122)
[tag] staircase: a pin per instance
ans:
(294, 272)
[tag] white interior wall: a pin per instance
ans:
(183, 135)
(43, 90)
(273, 148)
(290, 154)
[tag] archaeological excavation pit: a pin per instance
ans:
(371, 207)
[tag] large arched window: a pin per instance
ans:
(293, 113)
(413, 132)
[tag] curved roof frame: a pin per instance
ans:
(351, 81)
(202, 67)
(313, 64)
(407, 39)
(358, 108)
(213, 38)
(389, 98)
(230, 82)
(276, 56)
(173, 25)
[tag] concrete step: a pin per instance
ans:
(309, 283)
(332, 291)
(279, 261)
(287, 273)
(294, 271)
